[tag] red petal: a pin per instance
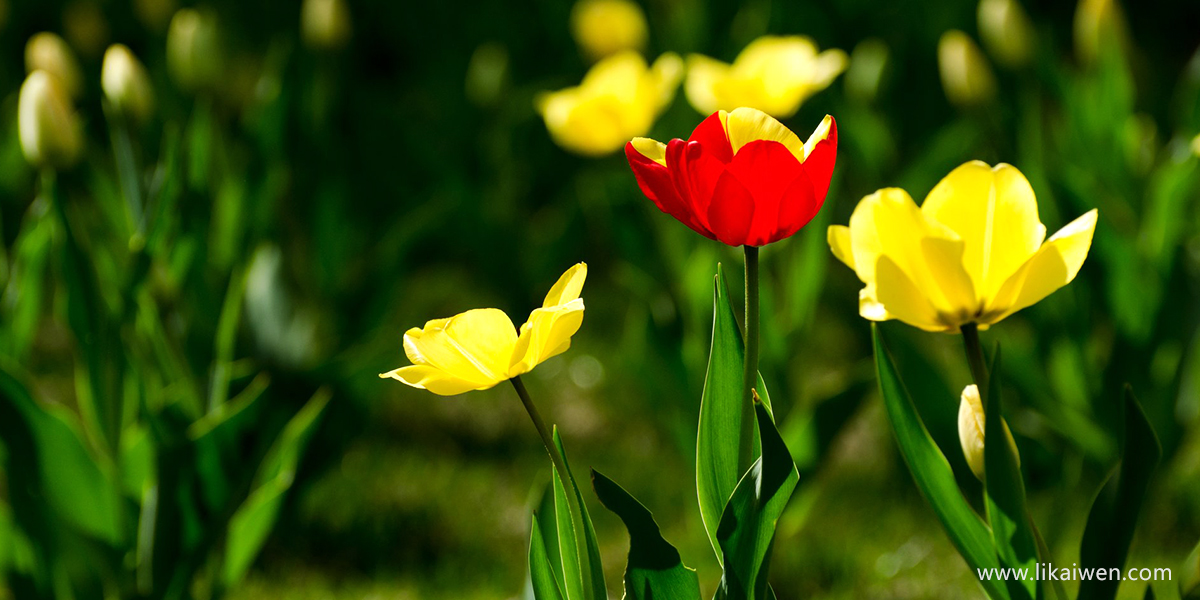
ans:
(657, 184)
(731, 211)
(820, 161)
(695, 174)
(797, 207)
(766, 169)
(711, 134)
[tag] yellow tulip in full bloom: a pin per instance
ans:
(606, 27)
(477, 349)
(773, 74)
(972, 253)
(619, 99)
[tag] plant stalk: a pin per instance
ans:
(750, 370)
(979, 373)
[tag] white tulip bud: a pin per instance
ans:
(325, 24)
(126, 83)
(50, 53)
(971, 426)
(49, 130)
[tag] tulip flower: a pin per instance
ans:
(971, 421)
(606, 27)
(773, 74)
(479, 348)
(194, 49)
(49, 130)
(126, 83)
(742, 178)
(619, 99)
(325, 24)
(972, 254)
(50, 53)
(1006, 31)
(966, 75)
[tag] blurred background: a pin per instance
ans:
(196, 299)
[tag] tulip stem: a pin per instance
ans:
(970, 333)
(750, 371)
(560, 465)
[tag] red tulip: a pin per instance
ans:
(742, 178)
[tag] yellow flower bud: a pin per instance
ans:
(325, 24)
(966, 75)
(606, 27)
(49, 130)
(1196, 145)
(194, 49)
(1098, 24)
(126, 84)
(971, 425)
(48, 52)
(1006, 31)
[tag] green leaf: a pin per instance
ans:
(721, 415)
(747, 530)
(249, 526)
(1189, 582)
(654, 571)
(932, 474)
(1113, 518)
(583, 575)
(1004, 492)
(541, 571)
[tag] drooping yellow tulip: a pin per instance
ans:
(606, 27)
(619, 99)
(477, 349)
(972, 253)
(773, 74)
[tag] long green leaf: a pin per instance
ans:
(654, 571)
(1004, 491)
(747, 530)
(541, 571)
(1113, 519)
(721, 415)
(583, 575)
(932, 474)
(1189, 582)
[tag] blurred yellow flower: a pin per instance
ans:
(325, 24)
(126, 83)
(619, 99)
(49, 129)
(194, 49)
(972, 253)
(966, 75)
(606, 27)
(773, 74)
(50, 53)
(971, 425)
(1098, 24)
(1006, 30)
(477, 349)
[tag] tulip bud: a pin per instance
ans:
(49, 130)
(1098, 24)
(126, 84)
(971, 427)
(48, 52)
(1006, 31)
(325, 24)
(194, 49)
(606, 27)
(966, 75)
(1196, 145)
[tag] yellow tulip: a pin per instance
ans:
(50, 132)
(194, 49)
(126, 83)
(966, 75)
(619, 99)
(971, 427)
(50, 53)
(1006, 31)
(477, 349)
(606, 27)
(972, 253)
(773, 74)
(325, 24)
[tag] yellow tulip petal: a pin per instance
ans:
(664, 78)
(474, 346)
(944, 257)
(703, 73)
(827, 66)
(745, 125)
(818, 135)
(651, 149)
(995, 212)
(435, 380)
(902, 298)
(547, 334)
(839, 241)
(1054, 265)
(568, 287)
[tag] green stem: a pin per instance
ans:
(750, 365)
(979, 373)
(127, 170)
(560, 465)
